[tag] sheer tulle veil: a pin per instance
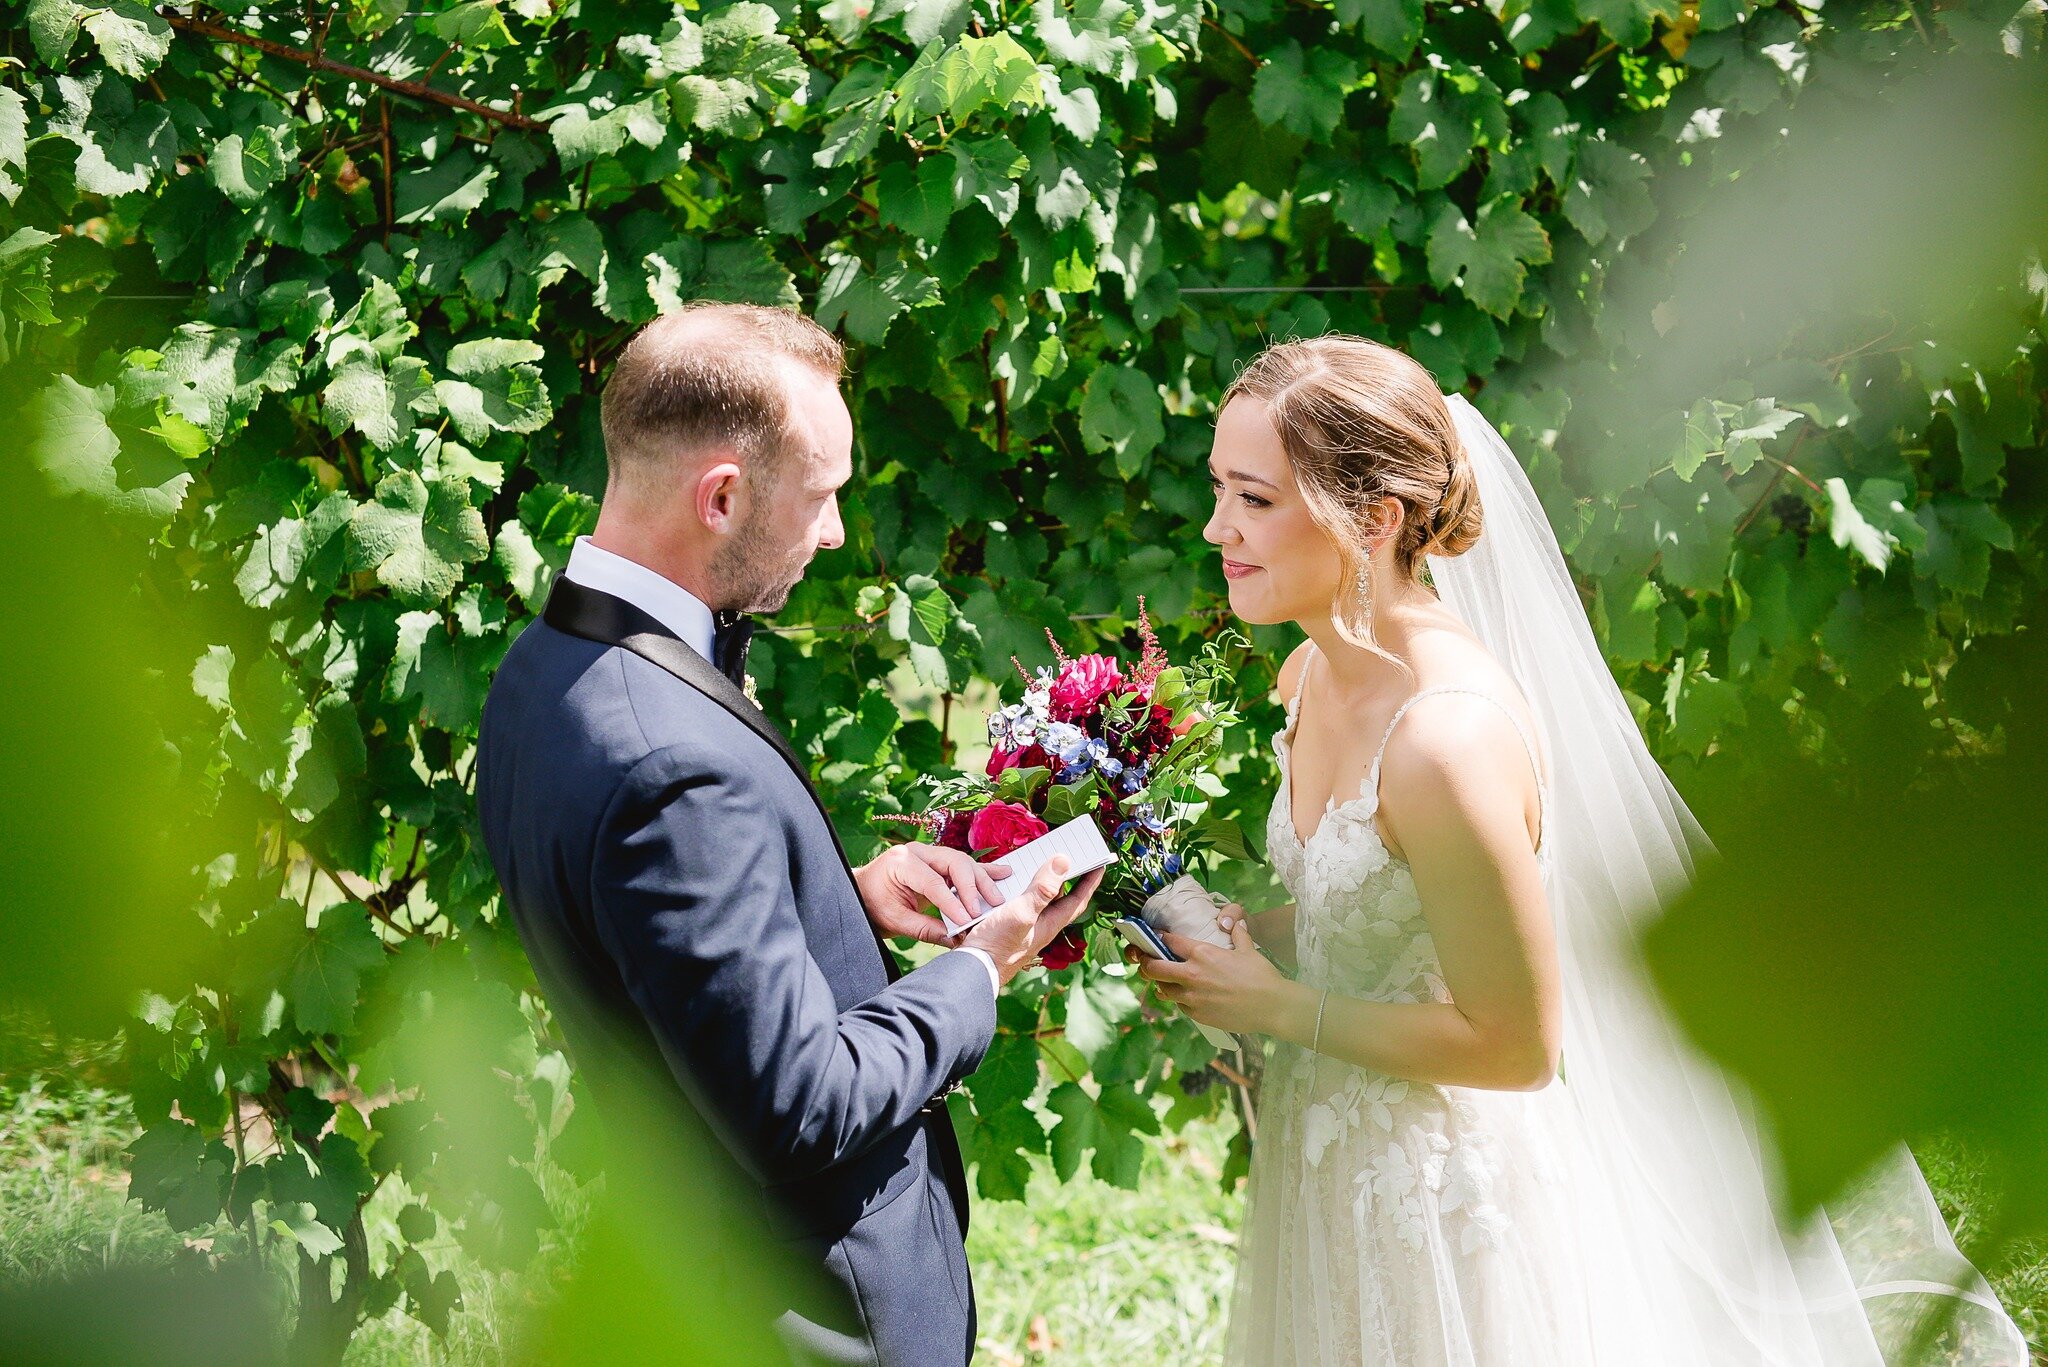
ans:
(1672, 1142)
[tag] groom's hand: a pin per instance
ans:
(902, 881)
(1016, 931)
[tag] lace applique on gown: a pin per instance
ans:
(1395, 1222)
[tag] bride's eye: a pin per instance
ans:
(1252, 500)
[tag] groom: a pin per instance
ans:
(676, 880)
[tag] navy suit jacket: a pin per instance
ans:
(692, 918)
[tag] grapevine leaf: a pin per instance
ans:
(1392, 26)
(1121, 413)
(1303, 92)
(1607, 197)
(416, 538)
(325, 975)
(497, 388)
(1488, 259)
(918, 200)
(1094, 35)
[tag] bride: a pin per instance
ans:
(1480, 1144)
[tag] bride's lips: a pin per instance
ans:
(1233, 569)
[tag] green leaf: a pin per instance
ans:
(986, 169)
(376, 401)
(1627, 22)
(918, 199)
(1094, 35)
(416, 537)
(79, 453)
(1489, 259)
(325, 975)
(1086, 1029)
(446, 189)
(1392, 26)
(862, 102)
(177, 1170)
(943, 644)
(475, 24)
(132, 38)
(1607, 197)
(1121, 412)
(498, 388)
(1959, 536)
(1851, 528)
(25, 276)
(1443, 115)
(866, 302)
(1303, 92)
(246, 163)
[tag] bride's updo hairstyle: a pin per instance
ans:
(1360, 423)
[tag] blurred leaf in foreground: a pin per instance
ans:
(1870, 952)
(96, 901)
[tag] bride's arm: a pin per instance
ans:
(1464, 831)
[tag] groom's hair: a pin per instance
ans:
(708, 375)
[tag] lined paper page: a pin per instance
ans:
(1080, 840)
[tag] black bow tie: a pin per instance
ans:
(733, 631)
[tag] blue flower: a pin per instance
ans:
(1173, 866)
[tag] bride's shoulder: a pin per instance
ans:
(1470, 724)
(1290, 671)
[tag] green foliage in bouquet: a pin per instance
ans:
(313, 307)
(1133, 748)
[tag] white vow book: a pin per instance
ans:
(1080, 840)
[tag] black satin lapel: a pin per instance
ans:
(598, 616)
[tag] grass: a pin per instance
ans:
(1079, 1274)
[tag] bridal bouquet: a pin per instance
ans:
(1134, 745)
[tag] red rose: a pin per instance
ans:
(953, 835)
(1001, 827)
(1083, 682)
(1067, 949)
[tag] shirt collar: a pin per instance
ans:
(661, 598)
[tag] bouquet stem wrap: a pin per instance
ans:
(1186, 908)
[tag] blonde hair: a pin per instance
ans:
(1361, 422)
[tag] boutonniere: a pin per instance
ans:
(754, 697)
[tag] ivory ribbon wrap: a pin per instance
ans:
(1185, 907)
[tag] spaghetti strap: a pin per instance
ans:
(1294, 703)
(1372, 775)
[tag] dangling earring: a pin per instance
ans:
(1365, 598)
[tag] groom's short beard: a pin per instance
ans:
(756, 575)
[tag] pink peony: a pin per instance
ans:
(1082, 683)
(1001, 827)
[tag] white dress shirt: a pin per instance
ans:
(683, 613)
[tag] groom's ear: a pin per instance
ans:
(720, 497)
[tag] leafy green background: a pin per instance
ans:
(312, 309)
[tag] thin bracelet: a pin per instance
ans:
(1316, 1044)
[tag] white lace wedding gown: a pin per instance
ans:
(1621, 1216)
(1394, 1222)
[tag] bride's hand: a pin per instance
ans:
(1235, 989)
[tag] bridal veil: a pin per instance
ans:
(1672, 1139)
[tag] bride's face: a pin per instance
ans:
(1279, 565)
